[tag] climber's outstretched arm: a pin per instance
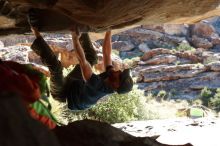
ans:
(107, 49)
(84, 64)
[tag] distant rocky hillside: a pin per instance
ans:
(139, 40)
(164, 65)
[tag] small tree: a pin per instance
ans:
(161, 95)
(206, 94)
(215, 101)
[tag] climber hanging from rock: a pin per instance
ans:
(81, 88)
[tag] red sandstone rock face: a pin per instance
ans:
(98, 15)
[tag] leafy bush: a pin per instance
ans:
(210, 98)
(115, 108)
(184, 47)
(215, 101)
(206, 94)
(120, 107)
(162, 95)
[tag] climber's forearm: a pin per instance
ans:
(107, 49)
(84, 64)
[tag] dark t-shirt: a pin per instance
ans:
(82, 95)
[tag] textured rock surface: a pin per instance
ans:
(88, 132)
(104, 14)
(183, 78)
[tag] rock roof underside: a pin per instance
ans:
(100, 15)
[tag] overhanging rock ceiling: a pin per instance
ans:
(100, 15)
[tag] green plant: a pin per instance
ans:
(177, 63)
(184, 47)
(161, 95)
(215, 101)
(119, 108)
(172, 93)
(210, 98)
(205, 94)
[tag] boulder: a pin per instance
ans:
(203, 30)
(201, 42)
(160, 59)
(143, 47)
(209, 57)
(139, 36)
(214, 66)
(215, 40)
(122, 46)
(154, 52)
(176, 29)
